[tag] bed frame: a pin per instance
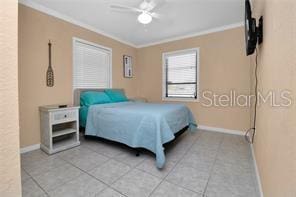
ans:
(76, 101)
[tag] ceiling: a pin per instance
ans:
(178, 18)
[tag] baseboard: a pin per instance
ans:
(30, 148)
(221, 130)
(257, 171)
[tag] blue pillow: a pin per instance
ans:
(91, 97)
(116, 95)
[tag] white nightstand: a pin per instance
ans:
(59, 128)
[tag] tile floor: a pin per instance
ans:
(203, 164)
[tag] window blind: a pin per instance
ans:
(92, 66)
(181, 74)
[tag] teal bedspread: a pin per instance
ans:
(83, 111)
(139, 125)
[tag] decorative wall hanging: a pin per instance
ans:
(127, 66)
(49, 72)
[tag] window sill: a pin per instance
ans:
(193, 100)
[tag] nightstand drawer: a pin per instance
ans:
(63, 116)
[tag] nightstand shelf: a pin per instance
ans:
(66, 143)
(59, 128)
(63, 132)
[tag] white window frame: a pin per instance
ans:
(106, 49)
(179, 52)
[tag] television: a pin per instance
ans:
(253, 34)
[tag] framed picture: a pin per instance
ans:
(127, 66)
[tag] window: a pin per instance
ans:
(180, 75)
(92, 65)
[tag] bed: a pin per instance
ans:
(137, 124)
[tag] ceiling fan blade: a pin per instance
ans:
(155, 15)
(158, 4)
(148, 5)
(122, 7)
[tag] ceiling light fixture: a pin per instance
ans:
(145, 18)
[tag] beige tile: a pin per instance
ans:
(235, 157)
(37, 162)
(109, 192)
(76, 151)
(210, 135)
(58, 176)
(232, 173)
(148, 165)
(31, 189)
(225, 183)
(24, 175)
(130, 158)
(210, 138)
(82, 186)
(235, 140)
(174, 156)
(83, 158)
(236, 144)
(106, 149)
(234, 166)
(166, 189)
(199, 159)
(192, 136)
(209, 141)
(136, 183)
(110, 171)
(33, 156)
(178, 146)
(181, 144)
(37, 167)
(187, 139)
(190, 178)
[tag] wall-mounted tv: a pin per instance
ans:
(253, 34)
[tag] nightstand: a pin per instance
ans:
(59, 128)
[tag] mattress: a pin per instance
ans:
(139, 125)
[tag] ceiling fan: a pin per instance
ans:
(145, 11)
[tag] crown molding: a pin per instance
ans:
(58, 15)
(61, 16)
(201, 33)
